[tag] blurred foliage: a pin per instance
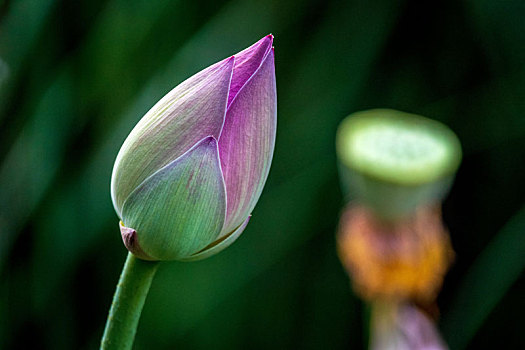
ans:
(75, 76)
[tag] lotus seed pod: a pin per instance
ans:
(393, 161)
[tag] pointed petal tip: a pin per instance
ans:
(228, 62)
(209, 140)
(265, 42)
(247, 62)
(268, 40)
(224, 65)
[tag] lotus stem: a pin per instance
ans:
(382, 326)
(124, 315)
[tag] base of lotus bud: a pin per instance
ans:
(131, 241)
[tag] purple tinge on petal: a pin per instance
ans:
(246, 63)
(192, 110)
(247, 142)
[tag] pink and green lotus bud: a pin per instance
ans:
(189, 175)
(394, 161)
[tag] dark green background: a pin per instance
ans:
(77, 75)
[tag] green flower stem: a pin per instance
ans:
(383, 328)
(128, 301)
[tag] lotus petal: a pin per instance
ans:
(188, 113)
(180, 209)
(247, 142)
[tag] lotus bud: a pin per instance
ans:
(393, 161)
(191, 171)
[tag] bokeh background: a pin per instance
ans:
(75, 76)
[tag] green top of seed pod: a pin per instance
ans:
(396, 147)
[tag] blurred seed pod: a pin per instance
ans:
(393, 161)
